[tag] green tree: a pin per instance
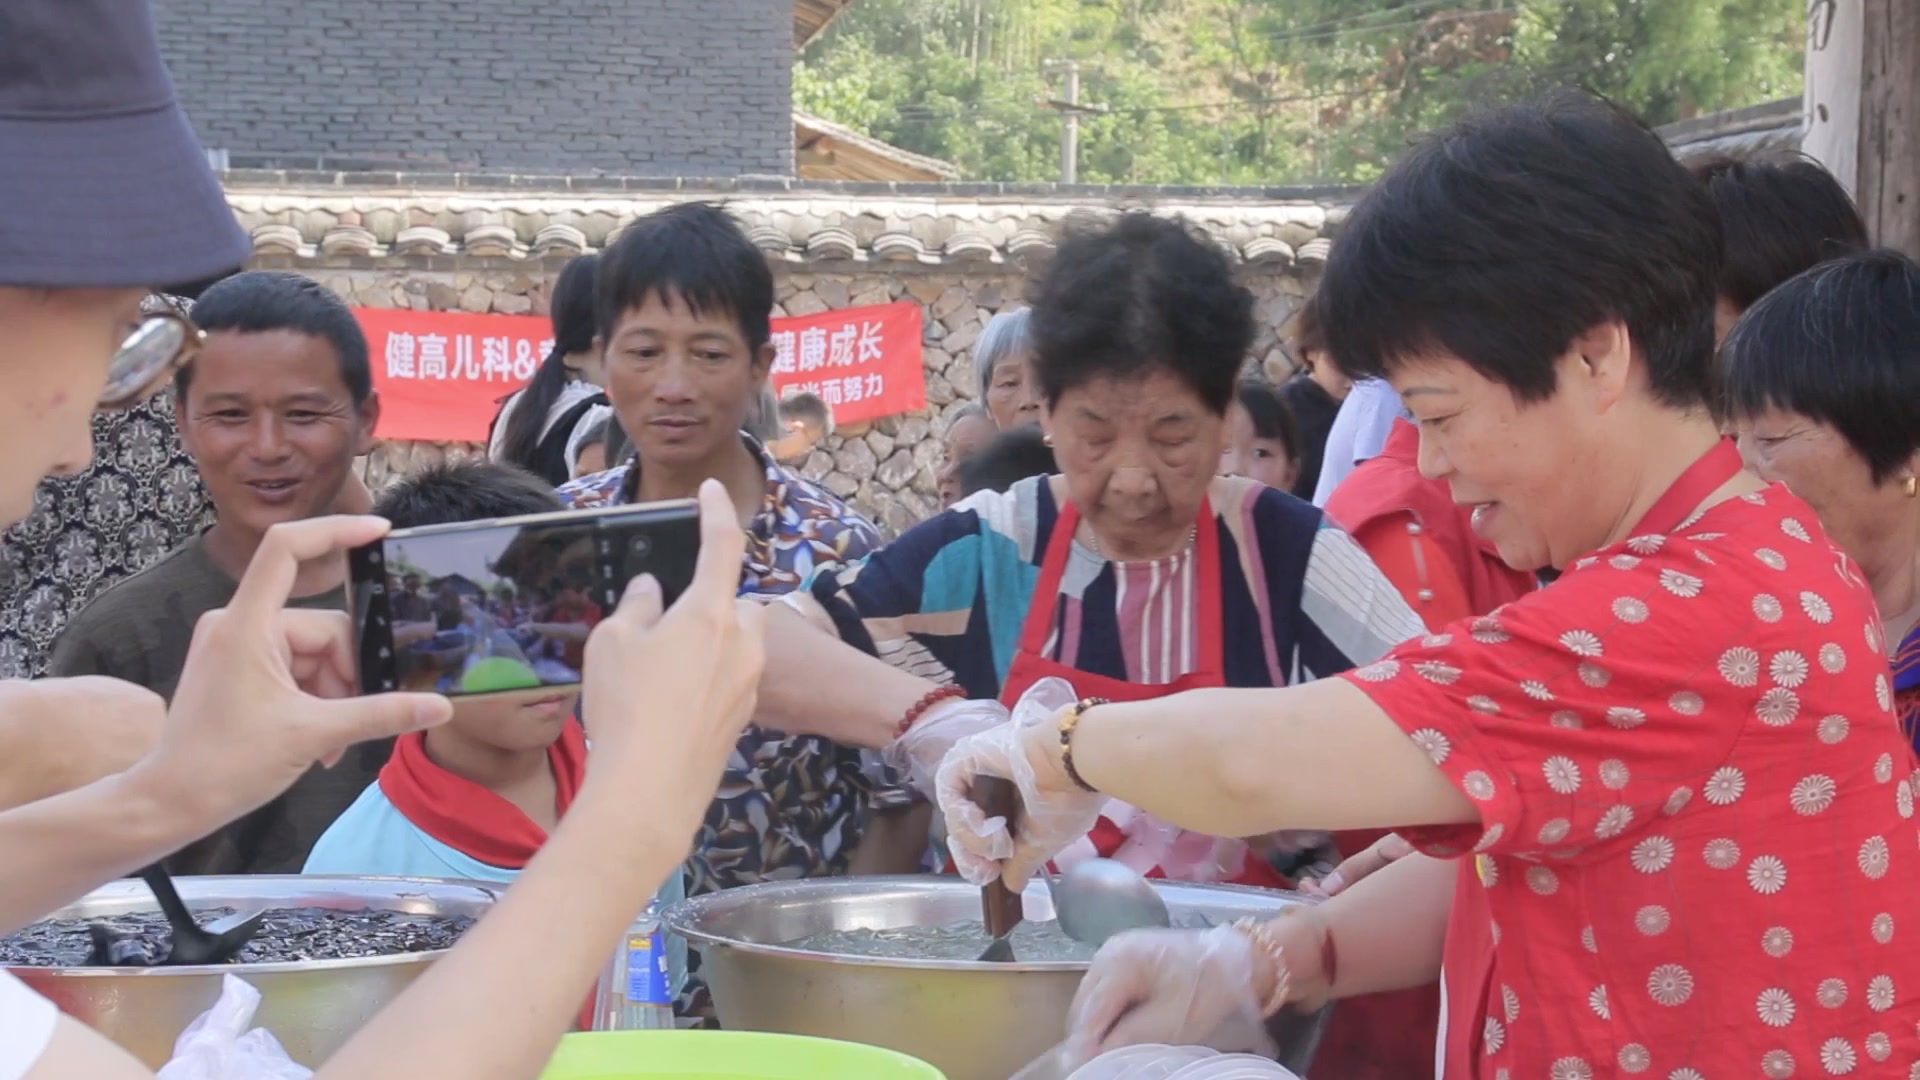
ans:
(1268, 91)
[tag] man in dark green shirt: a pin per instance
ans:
(274, 410)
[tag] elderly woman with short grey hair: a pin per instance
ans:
(1000, 358)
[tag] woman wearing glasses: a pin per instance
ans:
(106, 196)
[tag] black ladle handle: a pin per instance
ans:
(1000, 907)
(171, 905)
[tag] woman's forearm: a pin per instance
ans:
(816, 684)
(495, 1006)
(1247, 762)
(1390, 928)
(59, 848)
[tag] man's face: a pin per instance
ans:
(412, 583)
(273, 427)
(681, 383)
(57, 349)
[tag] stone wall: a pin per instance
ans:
(886, 468)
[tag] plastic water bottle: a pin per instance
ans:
(636, 989)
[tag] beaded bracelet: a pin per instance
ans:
(1068, 723)
(932, 697)
(1258, 932)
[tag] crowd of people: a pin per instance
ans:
(1555, 621)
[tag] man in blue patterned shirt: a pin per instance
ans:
(684, 302)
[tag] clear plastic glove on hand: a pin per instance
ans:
(1054, 811)
(1178, 987)
(918, 753)
(220, 1046)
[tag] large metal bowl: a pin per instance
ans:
(973, 1021)
(311, 1006)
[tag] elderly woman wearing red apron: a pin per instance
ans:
(1134, 574)
(1123, 833)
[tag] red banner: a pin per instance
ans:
(864, 362)
(441, 375)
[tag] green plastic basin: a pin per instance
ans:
(725, 1055)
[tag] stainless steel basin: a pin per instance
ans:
(311, 1006)
(972, 1020)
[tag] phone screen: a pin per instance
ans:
(506, 606)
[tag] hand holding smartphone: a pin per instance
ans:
(507, 604)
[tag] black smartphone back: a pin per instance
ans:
(506, 604)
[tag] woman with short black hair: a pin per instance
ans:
(1823, 386)
(1664, 817)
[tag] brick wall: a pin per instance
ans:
(687, 88)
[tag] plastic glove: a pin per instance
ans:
(1179, 987)
(1054, 811)
(220, 1046)
(918, 753)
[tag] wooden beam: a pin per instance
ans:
(1889, 169)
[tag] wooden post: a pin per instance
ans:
(1888, 183)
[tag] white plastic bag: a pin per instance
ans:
(220, 1045)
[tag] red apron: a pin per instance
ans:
(1030, 663)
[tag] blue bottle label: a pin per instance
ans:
(647, 970)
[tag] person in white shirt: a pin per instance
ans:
(106, 195)
(1359, 431)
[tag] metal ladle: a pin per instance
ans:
(1098, 898)
(216, 943)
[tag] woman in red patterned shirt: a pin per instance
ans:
(1664, 812)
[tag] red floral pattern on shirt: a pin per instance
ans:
(1697, 856)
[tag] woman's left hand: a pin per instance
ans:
(1054, 811)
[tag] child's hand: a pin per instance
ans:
(670, 693)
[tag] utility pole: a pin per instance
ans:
(1889, 170)
(1071, 110)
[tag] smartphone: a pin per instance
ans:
(506, 604)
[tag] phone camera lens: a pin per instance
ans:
(641, 547)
